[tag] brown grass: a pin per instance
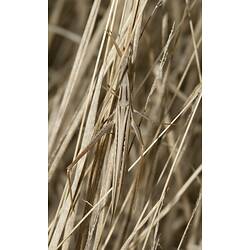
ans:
(137, 184)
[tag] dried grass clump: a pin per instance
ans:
(125, 108)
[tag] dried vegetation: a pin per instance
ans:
(125, 107)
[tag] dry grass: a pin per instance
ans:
(124, 93)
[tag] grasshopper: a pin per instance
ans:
(124, 118)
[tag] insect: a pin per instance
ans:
(124, 118)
